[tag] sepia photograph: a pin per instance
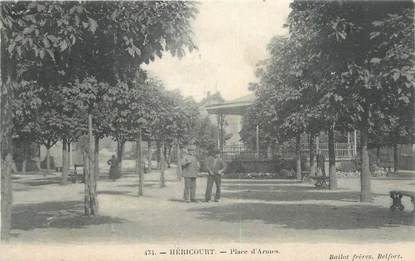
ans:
(207, 130)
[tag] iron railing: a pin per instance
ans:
(240, 152)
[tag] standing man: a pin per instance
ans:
(215, 167)
(190, 168)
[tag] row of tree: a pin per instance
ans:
(71, 71)
(346, 65)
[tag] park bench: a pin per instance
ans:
(397, 195)
(78, 175)
(321, 182)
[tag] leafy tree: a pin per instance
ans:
(206, 135)
(88, 94)
(23, 122)
(341, 33)
(164, 127)
(393, 69)
(36, 118)
(174, 123)
(324, 76)
(65, 43)
(285, 96)
(132, 111)
(74, 119)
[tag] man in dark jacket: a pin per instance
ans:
(216, 168)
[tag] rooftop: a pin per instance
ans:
(233, 107)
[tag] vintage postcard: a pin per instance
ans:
(207, 130)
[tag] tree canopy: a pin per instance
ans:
(344, 65)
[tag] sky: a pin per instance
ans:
(231, 37)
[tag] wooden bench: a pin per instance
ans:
(397, 195)
(321, 182)
(78, 175)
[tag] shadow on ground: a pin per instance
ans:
(40, 181)
(178, 200)
(146, 185)
(260, 181)
(62, 214)
(393, 178)
(297, 196)
(270, 187)
(286, 193)
(310, 216)
(20, 188)
(118, 193)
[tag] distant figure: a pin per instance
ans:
(145, 163)
(37, 162)
(114, 169)
(320, 164)
(190, 168)
(216, 168)
(11, 162)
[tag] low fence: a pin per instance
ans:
(245, 155)
(343, 151)
(259, 166)
(239, 152)
(385, 156)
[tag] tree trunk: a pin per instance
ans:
(96, 158)
(279, 150)
(377, 155)
(269, 152)
(6, 197)
(349, 149)
(365, 195)
(158, 155)
(395, 158)
(179, 162)
(165, 155)
(332, 160)
(139, 164)
(256, 143)
(64, 162)
(69, 155)
(6, 190)
(312, 149)
(298, 155)
(149, 155)
(5, 185)
(162, 168)
(317, 142)
(24, 163)
(47, 161)
(120, 152)
(355, 143)
(91, 203)
(169, 156)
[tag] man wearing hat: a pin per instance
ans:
(190, 168)
(216, 168)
